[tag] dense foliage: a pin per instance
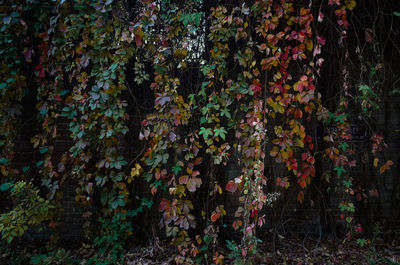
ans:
(217, 93)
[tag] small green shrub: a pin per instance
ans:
(30, 210)
(56, 257)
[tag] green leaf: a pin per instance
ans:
(11, 80)
(165, 158)
(340, 118)
(205, 132)
(347, 183)
(361, 241)
(113, 67)
(339, 170)
(343, 146)
(396, 13)
(5, 186)
(148, 203)
(147, 176)
(157, 183)
(364, 89)
(63, 92)
(220, 132)
(176, 169)
(207, 239)
(43, 150)
(39, 163)
(203, 120)
(25, 169)
(38, 259)
(3, 160)
(225, 112)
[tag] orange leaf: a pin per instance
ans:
(215, 216)
(300, 197)
(237, 224)
(298, 114)
(198, 161)
(198, 239)
(302, 183)
(303, 11)
(218, 259)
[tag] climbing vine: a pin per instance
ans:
(228, 86)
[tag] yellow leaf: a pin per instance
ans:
(274, 151)
(350, 4)
(386, 166)
(278, 130)
(310, 45)
(299, 143)
(277, 76)
(222, 210)
(219, 189)
(280, 108)
(136, 170)
(376, 162)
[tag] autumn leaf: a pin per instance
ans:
(376, 160)
(193, 184)
(231, 186)
(283, 182)
(302, 182)
(300, 197)
(386, 166)
(218, 258)
(183, 179)
(215, 216)
(237, 224)
(239, 211)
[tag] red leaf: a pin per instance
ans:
(311, 160)
(42, 73)
(321, 40)
(138, 40)
(57, 97)
(231, 186)
(215, 216)
(195, 173)
(254, 213)
(358, 229)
